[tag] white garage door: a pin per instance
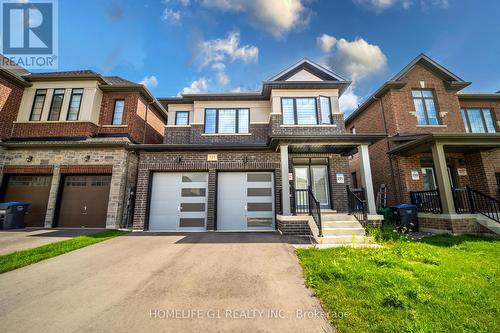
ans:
(178, 202)
(245, 201)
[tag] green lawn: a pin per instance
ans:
(438, 284)
(22, 258)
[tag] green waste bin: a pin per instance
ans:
(387, 213)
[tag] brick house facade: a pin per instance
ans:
(56, 159)
(399, 161)
(289, 153)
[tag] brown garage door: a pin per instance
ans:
(84, 201)
(30, 188)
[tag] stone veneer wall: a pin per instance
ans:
(72, 160)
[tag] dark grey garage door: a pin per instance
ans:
(30, 188)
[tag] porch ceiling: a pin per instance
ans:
(452, 143)
(329, 149)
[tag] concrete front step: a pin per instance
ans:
(343, 239)
(343, 231)
(336, 217)
(341, 224)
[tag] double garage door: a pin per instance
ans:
(179, 201)
(83, 201)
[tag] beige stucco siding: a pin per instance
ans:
(277, 94)
(304, 75)
(89, 108)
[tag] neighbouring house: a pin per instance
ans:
(63, 148)
(439, 141)
(253, 161)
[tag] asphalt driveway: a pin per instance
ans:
(21, 239)
(224, 282)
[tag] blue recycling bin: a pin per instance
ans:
(12, 215)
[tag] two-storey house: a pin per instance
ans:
(439, 141)
(63, 147)
(250, 161)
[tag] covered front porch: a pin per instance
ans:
(316, 193)
(451, 180)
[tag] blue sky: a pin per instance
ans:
(226, 45)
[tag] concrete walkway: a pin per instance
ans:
(143, 282)
(21, 239)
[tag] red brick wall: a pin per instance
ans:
(133, 117)
(446, 102)
(85, 168)
(28, 169)
(62, 129)
(10, 100)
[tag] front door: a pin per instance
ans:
(315, 176)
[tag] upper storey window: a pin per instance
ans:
(304, 110)
(118, 112)
(37, 108)
(56, 105)
(478, 121)
(182, 118)
(425, 107)
(227, 121)
(74, 104)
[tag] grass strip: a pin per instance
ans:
(11, 261)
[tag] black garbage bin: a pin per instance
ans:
(405, 216)
(12, 215)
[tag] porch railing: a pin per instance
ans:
(356, 204)
(469, 200)
(303, 201)
(315, 210)
(426, 201)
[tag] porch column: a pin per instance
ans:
(285, 185)
(443, 181)
(366, 179)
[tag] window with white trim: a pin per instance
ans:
(182, 117)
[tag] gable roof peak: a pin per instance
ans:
(310, 66)
(432, 65)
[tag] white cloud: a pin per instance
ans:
(357, 59)
(219, 66)
(277, 16)
(171, 16)
(222, 78)
(150, 81)
(326, 42)
(196, 87)
(349, 101)
(381, 5)
(213, 52)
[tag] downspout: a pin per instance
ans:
(393, 182)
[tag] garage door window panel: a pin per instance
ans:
(259, 192)
(259, 177)
(192, 207)
(192, 222)
(193, 192)
(260, 207)
(253, 222)
(194, 178)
